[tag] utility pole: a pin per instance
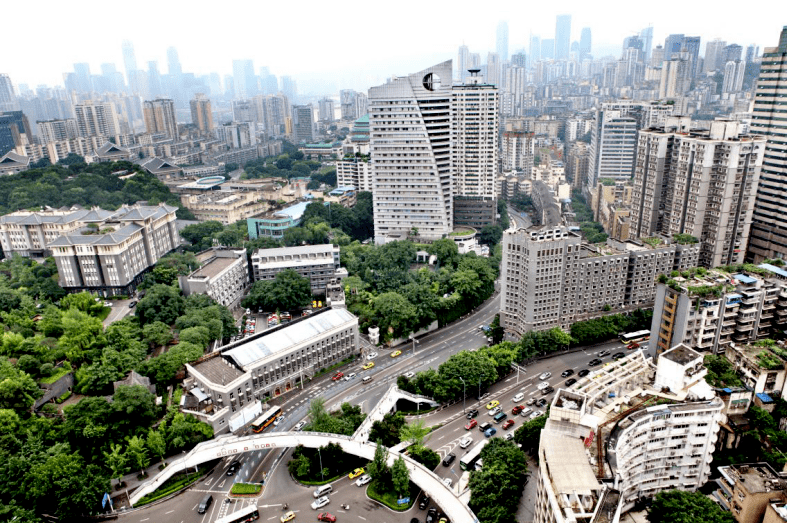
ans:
(464, 395)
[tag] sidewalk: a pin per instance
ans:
(131, 483)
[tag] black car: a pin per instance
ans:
(449, 459)
(424, 502)
(595, 362)
(132, 304)
(541, 403)
(570, 382)
(472, 414)
(618, 355)
(233, 468)
(583, 373)
(548, 390)
(414, 520)
(431, 515)
(567, 373)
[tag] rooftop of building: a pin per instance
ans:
(220, 370)
(203, 184)
(754, 477)
(764, 354)
(681, 354)
(282, 339)
(568, 462)
(321, 248)
(213, 267)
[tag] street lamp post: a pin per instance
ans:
(464, 395)
(479, 386)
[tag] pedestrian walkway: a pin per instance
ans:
(130, 481)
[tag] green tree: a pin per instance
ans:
(472, 367)
(529, 433)
(82, 301)
(678, 506)
(157, 443)
(157, 334)
(134, 407)
(446, 251)
(196, 335)
(287, 291)
(161, 303)
(116, 461)
(490, 235)
(81, 334)
(378, 467)
(400, 477)
(387, 430)
(17, 389)
(137, 454)
(395, 315)
(496, 488)
(416, 433)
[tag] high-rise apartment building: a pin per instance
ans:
(201, 114)
(673, 44)
(562, 37)
(551, 278)
(691, 45)
(733, 76)
(14, 131)
(160, 117)
(585, 44)
(52, 131)
(493, 69)
(303, 123)
(769, 228)
(474, 150)
(535, 50)
(462, 59)
(731, 53)
(410, 145)
(713, 55)
(698, 183)
(502, 41)
(675, 76)
(326, 111)
(7, 95)
(518, 151)
(129, 62)
(614, 142)
(646, 35)
(354, 169)
(96, 119)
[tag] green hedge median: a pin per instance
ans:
(388, 498)
(241, 489)
(170, 486)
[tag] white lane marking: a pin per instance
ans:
(170, 512)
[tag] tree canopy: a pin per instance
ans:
(678, 506)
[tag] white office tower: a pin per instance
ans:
(474, 136)
(613, 142)
(410, 145)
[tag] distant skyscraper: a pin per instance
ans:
(129, 59)
(96, 119)
(646, 35)
(672, 44)
(502, 41)
(691, 45)
(535, 49)
(303, 123)
(614, 142)
(519, 59)
(751, 53)
(83, 82)
(412, 170)
(731, 53)
(173, 62)
(769, 228)
(675, 76)
(493, 69)
(657, 57)
(201, 115)
(713, 54)
(326, 110)
(160, 117)
(14, 131)
(244, 80)
(562, 37)
(154, 80)
(548, 49)
(463, 57)
(7, 96)
(289, 88)
(733, 76)
(585, 44)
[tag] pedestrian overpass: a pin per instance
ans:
(456, 510)
(386, 404)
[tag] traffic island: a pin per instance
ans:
(385, 495)
(245, 490)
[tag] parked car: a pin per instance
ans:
(431, 515)
(320, 502)
(449, 458)
(516, 410)
(545, 375)
(470, 424)
(363, 480)
(510, 435)
(567, 373)
(472, 413)
(508, 424)
(357, 472)
(583, 373)
(570, 382)
(519, 397)
(132, 304)
(594, 362)
(465, 442)
(448, 482)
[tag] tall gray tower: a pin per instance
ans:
(502, 41)
(562, 37)
(585, 44)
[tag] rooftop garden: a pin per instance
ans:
(684, 239)
(653, 241)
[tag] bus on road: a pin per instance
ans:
(471, 456)
(243, 515)
(638, 336)
(261, 423)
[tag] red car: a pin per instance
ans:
(325, 516)
(508, 424)
(516, 410)
(470, 424)
(338, 376)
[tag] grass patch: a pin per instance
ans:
(335, 366)
(172, 485)
(240, 489)
(59, 373)
(104, 313)
(388, 498)
(64, 397)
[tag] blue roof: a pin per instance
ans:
(744, 278)
(774, 269)
(727, 390)
(764, 398)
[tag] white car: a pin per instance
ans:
(371, 355)
(363, 480)
(465, 442)
(448, 482)
(300, 425)
(320, 502)
(536, 414)
(543, 385)
(519, 397)
(107, 304)
(277, 421)
(349, 376)
(545, 375)
(510, 435)
(409, 375)
(495, 410)
(526, 412)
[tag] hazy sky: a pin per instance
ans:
(347, 44)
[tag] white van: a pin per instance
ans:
(323, 490)
(367, 379)
(519, 397)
